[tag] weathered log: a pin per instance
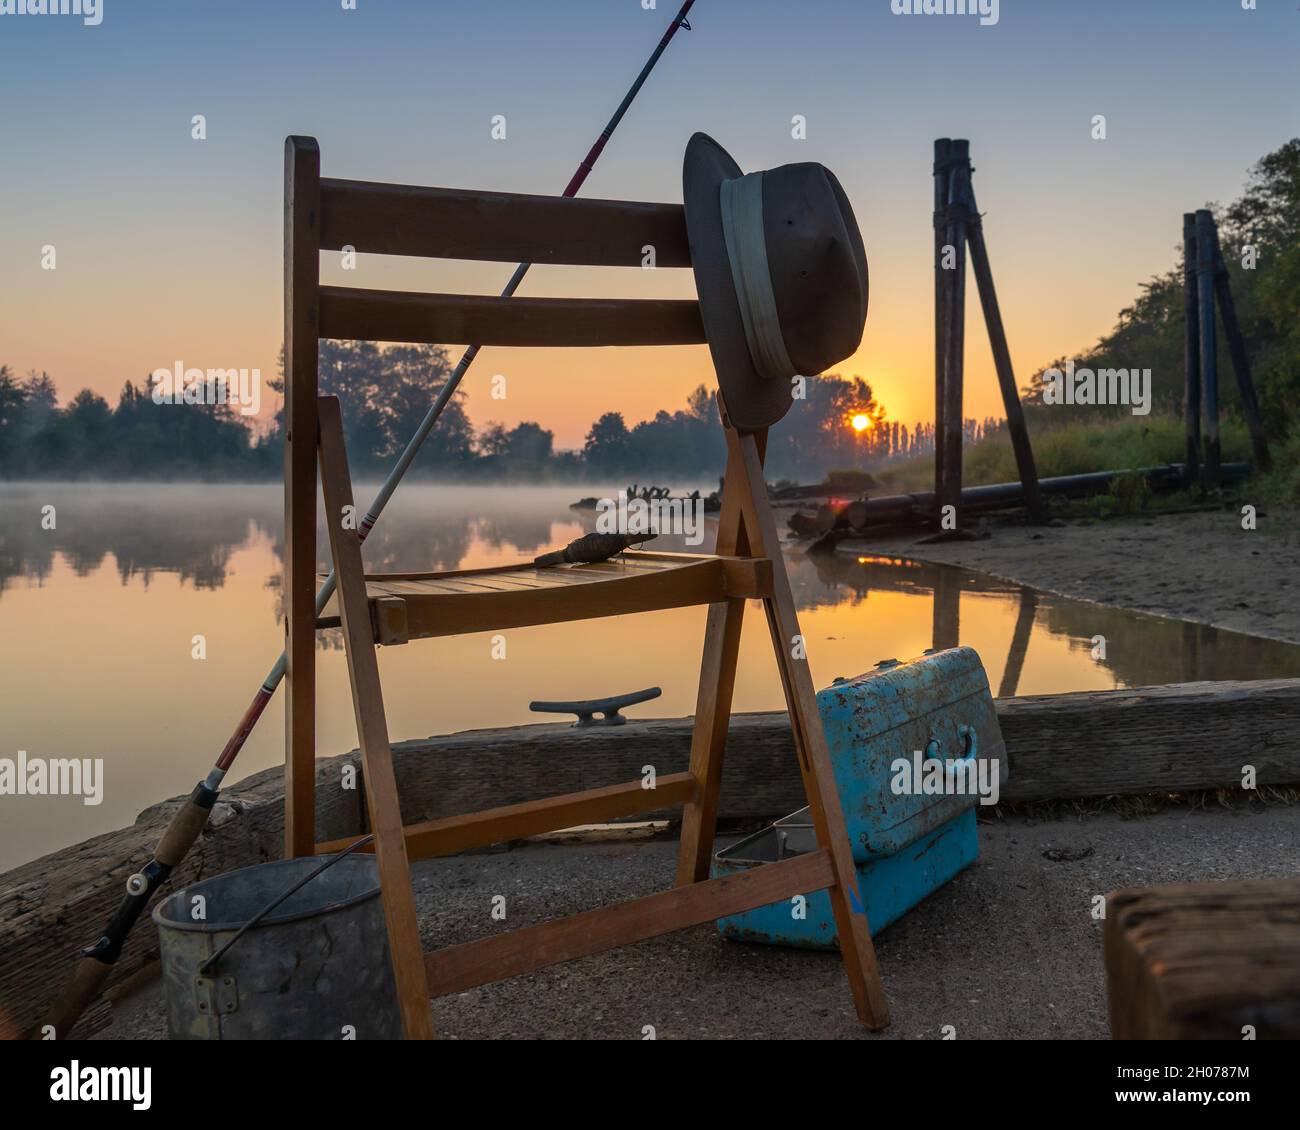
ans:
(1154, 739)
(1205, 961)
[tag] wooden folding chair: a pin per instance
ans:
(323, 214)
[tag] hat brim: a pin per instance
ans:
(752, 400)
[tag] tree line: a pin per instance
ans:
(384, 393)
(1260, 237)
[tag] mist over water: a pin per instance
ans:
(98, 619)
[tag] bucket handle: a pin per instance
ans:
(203, 969)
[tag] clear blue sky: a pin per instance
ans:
(170, 248)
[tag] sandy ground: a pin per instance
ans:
(1200, 566)
(1008, 950)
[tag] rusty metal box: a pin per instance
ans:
(914, 747)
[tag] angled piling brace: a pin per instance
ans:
(1240, 358)
(1016, 425)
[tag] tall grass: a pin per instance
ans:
(1282, 484)
(1108, 445)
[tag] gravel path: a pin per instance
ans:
(1008, 950)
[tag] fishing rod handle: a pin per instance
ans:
(97, 961)
(88, 977)
(185, 827)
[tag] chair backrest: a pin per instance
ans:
(324, 214)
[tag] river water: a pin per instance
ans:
(100, 618)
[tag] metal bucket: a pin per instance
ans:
(316, 968)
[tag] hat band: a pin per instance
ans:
(746, 240)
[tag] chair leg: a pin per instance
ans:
(372, 731)
(810, 741)
(712, 716)
(713, 701)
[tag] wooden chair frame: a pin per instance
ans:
(323, 214)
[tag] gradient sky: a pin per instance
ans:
(170, 249)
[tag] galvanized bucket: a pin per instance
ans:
(316, 968)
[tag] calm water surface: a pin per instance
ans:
(98, 618)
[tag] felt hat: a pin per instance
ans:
(781, 275)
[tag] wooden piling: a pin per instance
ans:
(1016, 426)
(1205, 267)
(942, 148)
(301, 361)
(1191, 354)
(1240, 359)
(955, 333)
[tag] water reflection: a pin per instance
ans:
(188, 531)
(192, 531)
(1140, 650)
(98, 618)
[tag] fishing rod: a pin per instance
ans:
(97, 961)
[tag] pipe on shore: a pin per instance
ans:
(995, 495)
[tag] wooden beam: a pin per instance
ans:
(506, 227)
(1191, 355)
(1151, 739)
(457, 968)
(942, 178)
(444, 319)
(955, 336)
(301, 321)
(1205, 266)
(1202, 961)
(1091, 743)
(453, 834)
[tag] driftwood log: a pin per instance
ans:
(1154, 739)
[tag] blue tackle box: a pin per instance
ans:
(914, 746)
